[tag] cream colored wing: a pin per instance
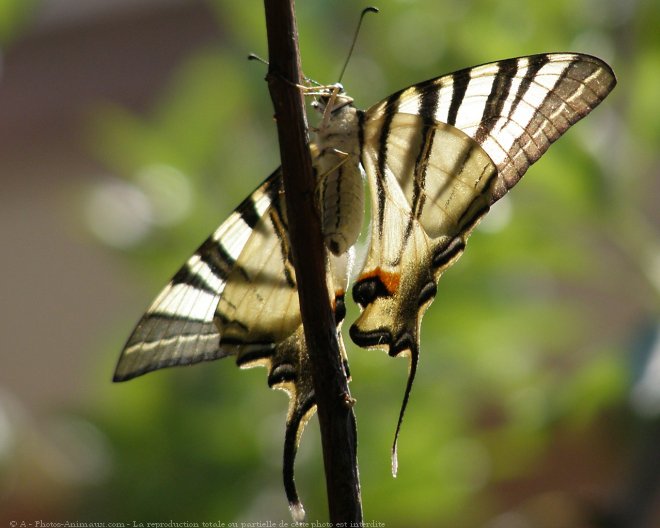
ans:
(514, 108)
(237, 296)
(437, 155)
(178, 327)
(258, 317)
(431, 190)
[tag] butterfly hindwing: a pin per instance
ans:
(435, 184)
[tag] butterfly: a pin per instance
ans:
(435, 156)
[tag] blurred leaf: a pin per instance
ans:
(14, 17)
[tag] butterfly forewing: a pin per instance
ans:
(259, 305)
(514, 108)
(178, 327)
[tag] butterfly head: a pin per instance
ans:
(330, 99)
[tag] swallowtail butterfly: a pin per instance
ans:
(435, 156)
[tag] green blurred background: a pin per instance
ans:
(130, 129)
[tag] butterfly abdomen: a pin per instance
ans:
(340, 198)
(340, 182)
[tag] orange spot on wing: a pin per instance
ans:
(390, 280)
(338, 293)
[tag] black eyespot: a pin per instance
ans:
(340, 309)
(255, 351)
(282, 373)
(368, 339)
(333, 246)
(427, 293)
(404, 342)
(367, 290)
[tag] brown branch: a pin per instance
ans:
(337, 421)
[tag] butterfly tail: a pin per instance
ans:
(295, 424)
(412, 370)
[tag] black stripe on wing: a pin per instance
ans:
(460, 81)
(390, 109)
(497, 97)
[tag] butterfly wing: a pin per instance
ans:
(259, 321)
(236, 296)
(433, 184)
(514, 108)
(437, 155)
(178, 327)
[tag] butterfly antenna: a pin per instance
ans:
(366, 10)
(254, 56)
